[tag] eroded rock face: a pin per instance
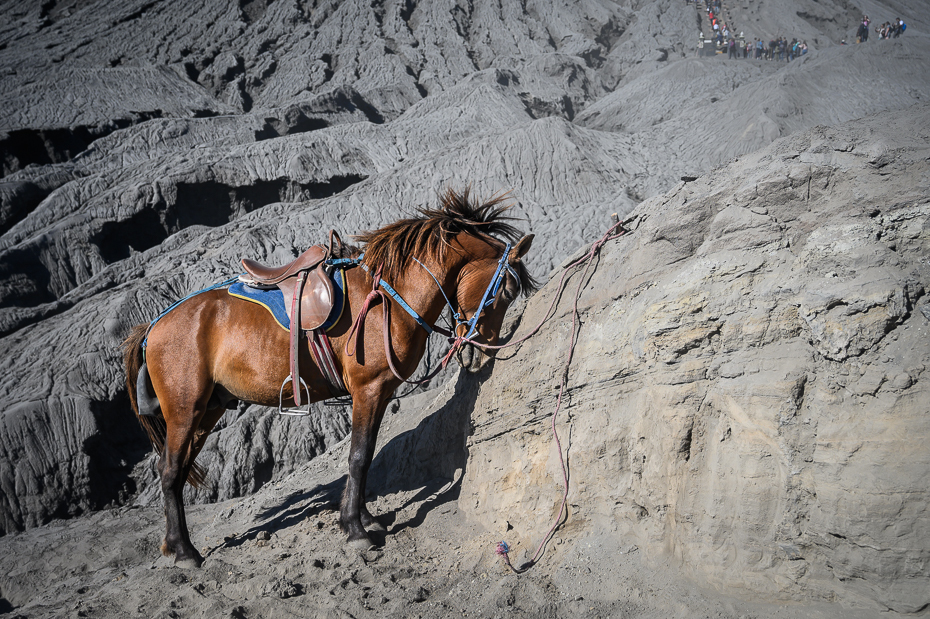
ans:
(132, 114)
(748, 392)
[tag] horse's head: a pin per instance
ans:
(487, 286)
(461, 242)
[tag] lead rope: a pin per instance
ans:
(613, 232)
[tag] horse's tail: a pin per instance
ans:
(132, 361)
(145, 402)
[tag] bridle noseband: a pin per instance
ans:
(490, 293)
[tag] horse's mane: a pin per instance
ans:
(431, 232)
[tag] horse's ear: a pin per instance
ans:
(519, 250)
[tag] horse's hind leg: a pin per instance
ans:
(174, 466)
(174, 473)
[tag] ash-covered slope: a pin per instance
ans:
(170, 143)
(106, 240)
(748, 392)
(278, 55)
(733, 108)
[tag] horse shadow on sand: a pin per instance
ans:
(423, 460)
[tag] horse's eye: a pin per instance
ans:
(510, 289)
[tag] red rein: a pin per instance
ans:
(357, 328)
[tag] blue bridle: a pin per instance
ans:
(490, 293)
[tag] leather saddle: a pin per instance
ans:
(316, 294)
(308, 301)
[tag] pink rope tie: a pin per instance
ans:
(357, 326)
(356, 331)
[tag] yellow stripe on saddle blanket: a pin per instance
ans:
(273, 300)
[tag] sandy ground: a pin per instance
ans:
(280, 553)
(291, 562)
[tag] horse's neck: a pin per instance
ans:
(422, 293)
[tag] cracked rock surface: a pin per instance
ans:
(748, 390)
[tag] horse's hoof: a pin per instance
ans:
(361, 544)
(191, 563)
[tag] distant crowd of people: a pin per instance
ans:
(721, 32)
(888, 30)
(778, 48)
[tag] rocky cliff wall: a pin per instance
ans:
(748, 394)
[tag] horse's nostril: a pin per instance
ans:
(472, 359)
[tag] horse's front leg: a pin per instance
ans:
(354, 516)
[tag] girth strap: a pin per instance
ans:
(295, 336)
(322, 351)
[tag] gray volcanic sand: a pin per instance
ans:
(280, 553)
(440, 480)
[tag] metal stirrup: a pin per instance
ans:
(299, 412)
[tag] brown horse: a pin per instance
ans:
(213, 348)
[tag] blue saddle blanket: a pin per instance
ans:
(273, 300)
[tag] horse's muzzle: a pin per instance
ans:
(472, 358)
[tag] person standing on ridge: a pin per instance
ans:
(899, 27)
(863, 34)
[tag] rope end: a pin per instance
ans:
(502, 549)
